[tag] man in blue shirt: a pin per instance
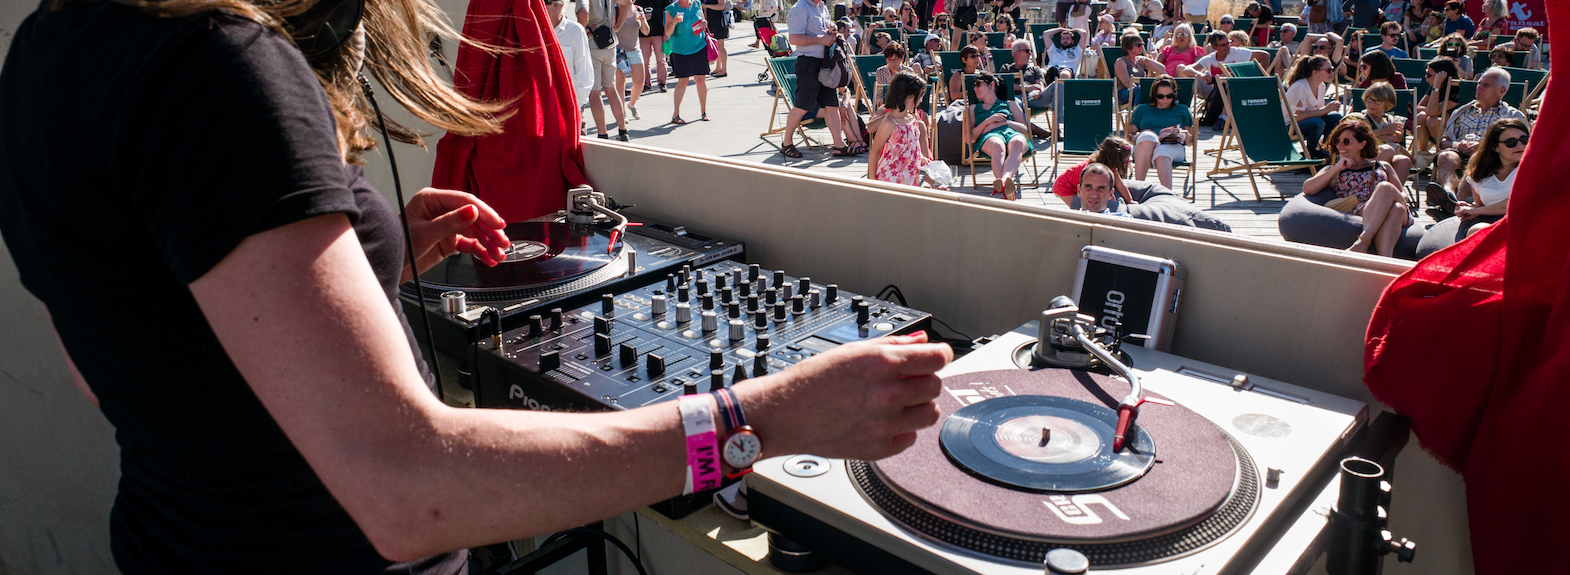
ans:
(1389, 34)
(1456, 19)
(811, 34)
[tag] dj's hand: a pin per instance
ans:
(862, 400)
(446, 222)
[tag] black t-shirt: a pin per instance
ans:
(135, 153)
(656, 12)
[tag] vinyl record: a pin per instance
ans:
(542, 253)
(1045, 443)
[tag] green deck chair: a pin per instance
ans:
(1264, 137)
(784, 70)
(1109, 54)
(1426, 54)
(1000, 57)
(1242, 24)
(917, 45)
(1249, 69)
(1185, 97)
(1006, 91)
(995, 40)
(1404, 101)
(1514, 95)
(1534, 80)
(866, 76)
(1084, 117)
(949, 63)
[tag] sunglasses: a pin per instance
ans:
(1164, 96)
(1321, 46)
(1395, 35)
(1347, 141)
(1184, 35)
(1514, 142)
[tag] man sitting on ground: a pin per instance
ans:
(1463, 131)
(1096, 191)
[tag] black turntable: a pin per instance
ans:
(1024, 463)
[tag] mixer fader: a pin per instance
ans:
(691, 332)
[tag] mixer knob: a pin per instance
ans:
(737, 276)
(735, 310)
(697, 274)
(744, 288)
(535, 325)
(608, 306)
(798, 305)
(803, 285)
(716, 359)
(657, 305)
(602, 325)
(549, 360)
(686, 274)
(779, 311)
(760, 365)
(785, 291)
(817, 299)
(763, 342)
(716, 379)
(833, 295)
(709, 321)
(863, 313)
(708, 301)
(683, 312)
(602, 345)
(656, 365)
(629, 355)
(739, 374)
(683, 294)
(736, 331)
(752, 304)
(752, 272)
(719, 281)
(779, 278)
(856, 300)
(760, 320)
(670, 283)
(703, 287)
(689, 388)
(771, 297)
(556, 318)
(727, 295)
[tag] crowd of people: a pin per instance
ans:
(1318, 56)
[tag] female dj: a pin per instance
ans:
(190, 209)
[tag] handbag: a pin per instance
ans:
(834, 74)
(1344, 204)
(714, 49)
(1317, 13)
(604, 36)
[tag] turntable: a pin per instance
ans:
(1202, 471)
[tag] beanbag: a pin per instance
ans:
(1306, 220)
(1447, 232)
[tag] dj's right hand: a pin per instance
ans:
(863, 400)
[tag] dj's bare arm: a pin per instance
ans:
(300, 313)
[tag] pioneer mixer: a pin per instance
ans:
(699, 329)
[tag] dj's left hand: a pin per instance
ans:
(446, 222)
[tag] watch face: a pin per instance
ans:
(742, 448)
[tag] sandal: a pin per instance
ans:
(705, 117)
(790, 151)
(678, 121)
(997, 188)
(842, 152)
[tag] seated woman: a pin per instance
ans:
(1363, 187)
(970, 57)
(997, 129)
(1378, 100)
(1181, 51)
(1455, 47)
(894, 64)
(1428, 122)
(1106, 32)
(1306, 100)
(1005, 25)
(1485, 192)
(978, 41)
(1163, 130)
(1114, 154)
(908, 22)
(1502, 55)
(1133, 66)
(1377, 66)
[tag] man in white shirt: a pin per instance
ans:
(1208, 68)
(575, 48)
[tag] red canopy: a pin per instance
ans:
(525, 171)
(1474, 346)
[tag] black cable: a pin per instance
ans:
(951, 328)
(408, 239)
(637, 533)
(637, 562)
(892, 290)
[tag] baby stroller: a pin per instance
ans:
(777, 47)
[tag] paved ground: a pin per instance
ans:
(739, 106)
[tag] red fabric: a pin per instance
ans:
(1067, 184)
(525, 171)
(1474, 346)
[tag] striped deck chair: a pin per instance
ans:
(784, 71)
(1264, 137)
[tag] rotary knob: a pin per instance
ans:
(703, 287)
(710, 321)
(803, 285)
(760, 320)
(817, 298)
(771, 297)
(734, 310)
(763, 342)
(737, 333)
(779, 311)
(683, 312)
(657, 304)
(797, 305)
(719, 281)
(744, 288)
(536, 325)
(779, 278)
(760, 365)
(785, 291)
(863, 313)
(707, 301)
(683, 295)
(716, 359)
(752, 304)
(753, 272)
(739, 374)
(716, 379)
(670, 283)
(833, 295)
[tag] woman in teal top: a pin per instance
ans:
(1164, 127)
(689, 41)
(994, 132)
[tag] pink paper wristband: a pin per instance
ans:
(703, 464)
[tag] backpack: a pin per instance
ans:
(835, 72)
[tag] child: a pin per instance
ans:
(900, 148)
(1433, 27)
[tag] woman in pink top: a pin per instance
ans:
(1182, 51)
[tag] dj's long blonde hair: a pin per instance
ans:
(396, 36)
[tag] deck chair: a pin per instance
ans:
(784, 70)
(1000, 57)
(1514, 95)
(1249, 69)
(866, 76)
(1006, 91)
(1243, 24)
(1370, 40)
(1404, 100)
(995, 40)
(1084, 112)
(1412, 68)
(1109, 54)
(1532, 78)
(1258, 122)
(1425, 54)
(948, 64)
(1185, 97)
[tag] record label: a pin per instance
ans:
(1044, 443)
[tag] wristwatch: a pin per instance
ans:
(742, 445)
